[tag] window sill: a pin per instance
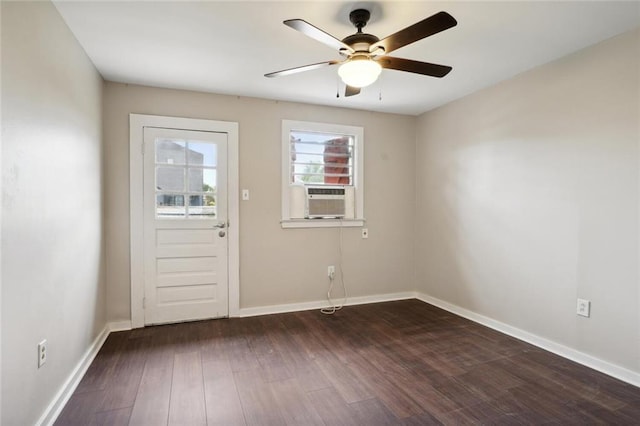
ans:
(321, 223)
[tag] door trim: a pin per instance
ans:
(137, 123)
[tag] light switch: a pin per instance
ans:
(245, 194)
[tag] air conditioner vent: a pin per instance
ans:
(324, 202)
(311, 191)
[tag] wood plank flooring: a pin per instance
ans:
(395, 363)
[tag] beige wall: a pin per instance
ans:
(276, 266)
(52, 251)
(527, 198)
(511, 202)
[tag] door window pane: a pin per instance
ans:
(170, 151)
(202, 154)
(169, 178)
(170, 205)
(202, 206)
(202, 180)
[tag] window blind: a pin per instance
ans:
(321, 158)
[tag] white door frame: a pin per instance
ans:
(137, 123)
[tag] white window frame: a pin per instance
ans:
(358, 174)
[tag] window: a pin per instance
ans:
(322, 175)
(185, 179)
(321, 158)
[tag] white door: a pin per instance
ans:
(185, 221)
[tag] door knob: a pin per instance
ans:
(222, 233)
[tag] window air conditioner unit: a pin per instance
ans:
(325, 201)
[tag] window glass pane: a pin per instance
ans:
(202, 180)
(169, 178)
(202, 153)
(169, 205)
(321, 158)
(202, 206)
(170, 151)
(337, 159)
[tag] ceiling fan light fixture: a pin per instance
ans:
(359, 72)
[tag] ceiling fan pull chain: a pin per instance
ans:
(337, 86)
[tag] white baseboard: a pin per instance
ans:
(600, 365)
(54, 409)
(318, 304)
(119, 326)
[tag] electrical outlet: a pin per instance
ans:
(365, 233)
(42, 353)
(584, 307)
(331, 272)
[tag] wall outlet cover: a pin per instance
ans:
(331, 271)
(42, 353)
(584, 307)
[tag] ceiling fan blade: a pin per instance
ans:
(351, 91)
(317, 34)
(301, 69)
(417, 67)
(425, 28)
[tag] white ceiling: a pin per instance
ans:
(227, 47)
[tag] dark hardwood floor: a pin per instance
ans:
(396, 363)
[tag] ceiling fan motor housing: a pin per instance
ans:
(359, 18)
(360, 42)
